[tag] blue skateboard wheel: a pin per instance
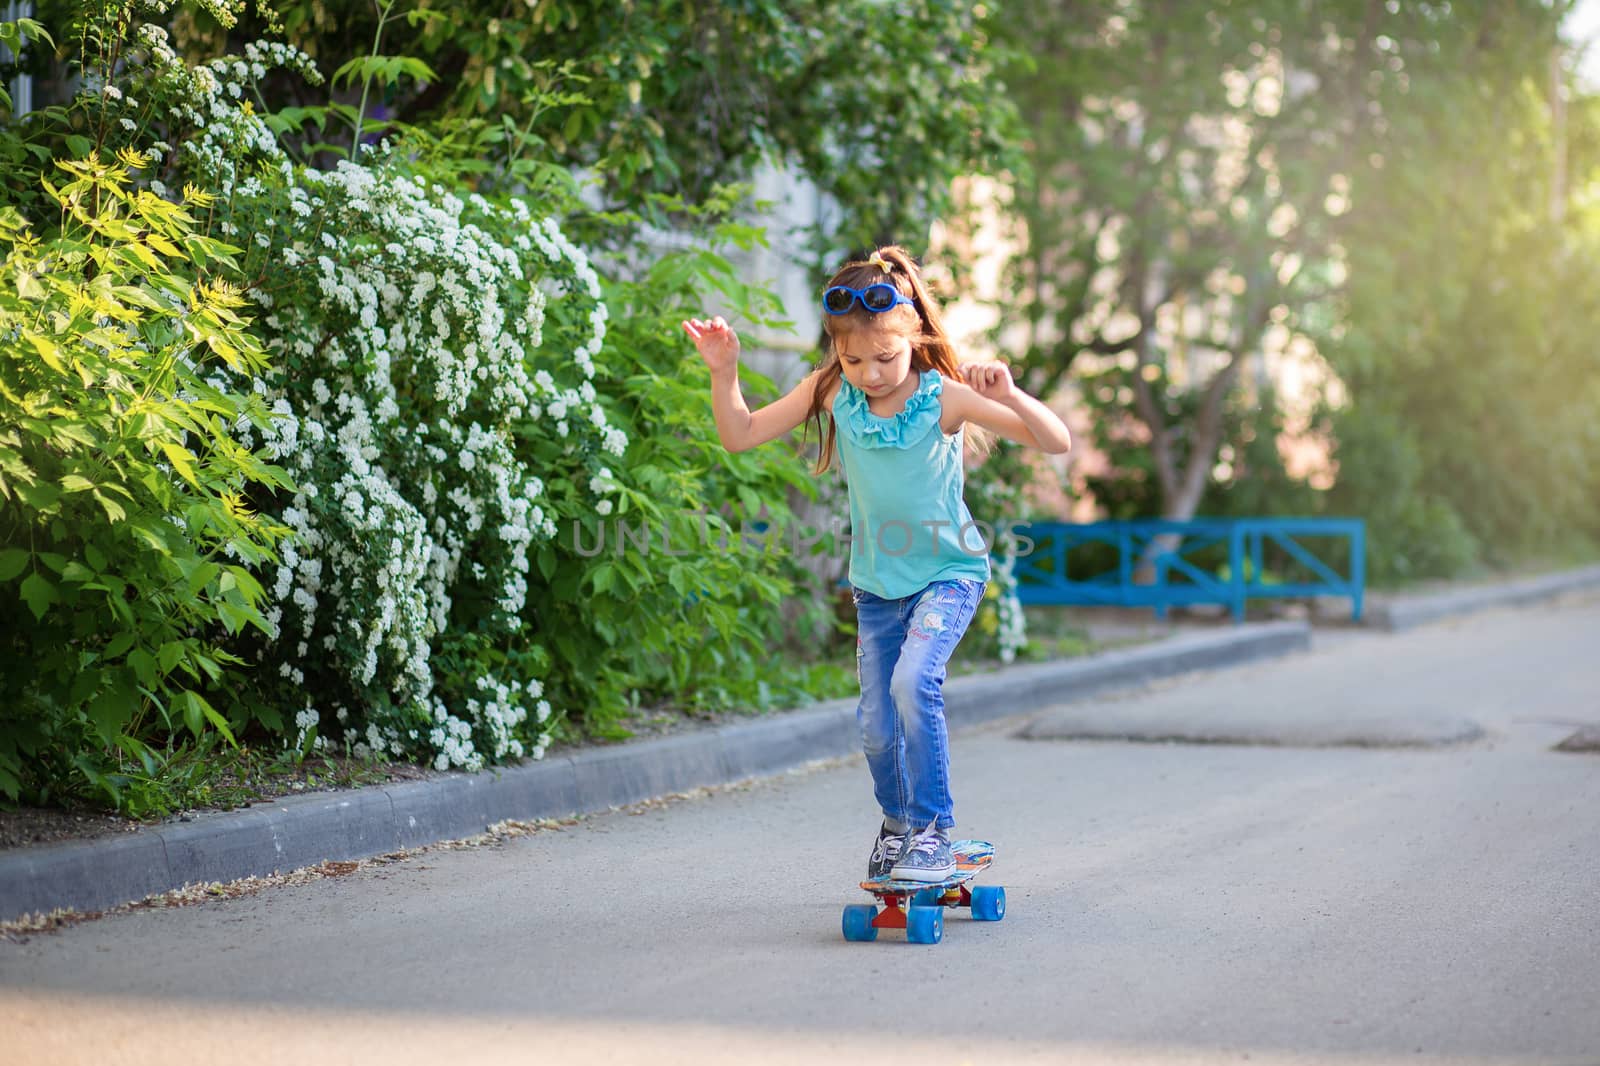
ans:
(928, 897)
(925, 925)
(988, 903)
(858, 922)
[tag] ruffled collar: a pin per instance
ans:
(867, 430)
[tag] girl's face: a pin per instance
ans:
(876, 361)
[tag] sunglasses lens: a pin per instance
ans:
(878, 297)
(836, 300)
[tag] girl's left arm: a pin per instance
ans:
(992, 400)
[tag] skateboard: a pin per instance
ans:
(918, 907)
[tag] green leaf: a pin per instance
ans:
(91, 773)
(76, 483)
(73, 432)
(84, 685)
(154, 534)
(574, 125)
(193, 716)
(196, 712)
(41, 496)
(144, 667)
(111, 711)
(201, 576)
(113, 509)
(253, 592)
(38, 594)
(233, 618)
(79, 145)
(26, 29)
(139, 297)
(47, 351)
(182, 461)
(208, 665)
(145, 256)
(12, 562)
(136, 749)
(170, 655)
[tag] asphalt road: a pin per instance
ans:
(1168, 903)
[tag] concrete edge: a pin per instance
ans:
(1094, 724)
(1019, 690)
(1400, 613)
(360, 823)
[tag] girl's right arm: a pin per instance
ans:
(738, 427)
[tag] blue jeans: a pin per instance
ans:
(902, 647)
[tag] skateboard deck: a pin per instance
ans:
(918, 906)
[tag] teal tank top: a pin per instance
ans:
(909, 525)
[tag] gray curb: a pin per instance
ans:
(360, 823)
(1407, 612)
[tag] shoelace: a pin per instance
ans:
(926, 842)
(888, 847)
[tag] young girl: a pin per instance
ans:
(895, 400)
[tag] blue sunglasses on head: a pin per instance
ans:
(877, 298)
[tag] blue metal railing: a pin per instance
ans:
(1161, 564)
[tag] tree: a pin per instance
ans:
(1472, 302)
(1186, 162)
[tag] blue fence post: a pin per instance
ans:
(1236, 570)
(1358, 568)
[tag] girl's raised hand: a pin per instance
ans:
(991, 379)
(716, 342)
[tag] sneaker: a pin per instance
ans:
(884, 851)
(926, 858)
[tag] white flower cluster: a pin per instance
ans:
(225, 12)
(305, 721)
(228, 137)
(153, 39)
(500, 707)
(411, 337)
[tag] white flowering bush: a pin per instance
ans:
(407, 330)
(434, 363)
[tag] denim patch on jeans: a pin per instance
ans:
(902, 648)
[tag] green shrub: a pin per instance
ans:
(128, 546)
(1412, 533)
(704, 627)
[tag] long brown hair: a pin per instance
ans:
(919, 321)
